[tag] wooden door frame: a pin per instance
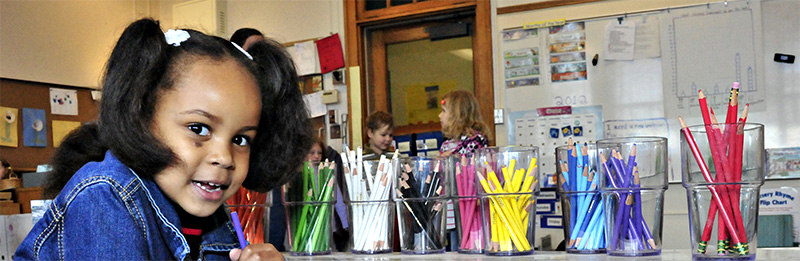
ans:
(481, 47)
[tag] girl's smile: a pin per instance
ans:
(208, 120)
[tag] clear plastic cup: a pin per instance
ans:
(723, 195)
(633, 175)
(420, 197)
(371, 208)
(583, 214)
(309, 200)
(253, 211)
(507, 184)
(467, 206)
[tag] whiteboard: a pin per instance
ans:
(707, 46)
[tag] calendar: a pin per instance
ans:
(548, 128)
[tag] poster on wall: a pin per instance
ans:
(521, 65)
(783, 163)
(330, 53)
(61, 129)
(63, 101)
(567, 45)
(431, 94)
(34, 128)
(8, 127)
(550, 127)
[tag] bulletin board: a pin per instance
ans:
(33, 95)
(644, 80)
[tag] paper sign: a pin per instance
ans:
(619, 40)
(63, 101)
(314, 104)
(304, 58)
(8, 127)
(61, 129)
(330, 53)
(34, 128)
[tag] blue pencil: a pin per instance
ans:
(238, 227)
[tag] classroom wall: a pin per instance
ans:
(505, 98)
(22, 94)
(62, 42)
(68, 42)
(780, 79)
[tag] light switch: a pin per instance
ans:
(498, 116)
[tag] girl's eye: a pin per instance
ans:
(199, 129)
(241, 141)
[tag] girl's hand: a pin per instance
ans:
(256, 252)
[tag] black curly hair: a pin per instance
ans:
(143, 66)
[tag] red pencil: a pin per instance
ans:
(718, 166)
(723, 176)
(737, 166)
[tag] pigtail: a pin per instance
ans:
(284, 128)
(136, 67)
(82, 145)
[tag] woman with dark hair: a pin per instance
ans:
(185, 120)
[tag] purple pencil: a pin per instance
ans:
(638, 211)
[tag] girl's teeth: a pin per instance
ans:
(207, 186)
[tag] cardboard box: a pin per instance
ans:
(9, 208)
(25, 195)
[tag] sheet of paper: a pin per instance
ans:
(34, 128)
(331, 56)
(305, 57)
(619, 40)
(63, 101)
(8, 127)
(648, 41)
(314, 104)
(61, 129)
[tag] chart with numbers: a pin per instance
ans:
(549, 130)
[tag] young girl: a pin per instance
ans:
(380, 130)
(462, 124)
(317, 152)
(185, 120)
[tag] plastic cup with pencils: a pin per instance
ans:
(420, 197)
(467, 205)
(633, 179)
(309, 200)
(507, 182)
(578, 184)
(252, 209)
(371, 208)
(723, 170)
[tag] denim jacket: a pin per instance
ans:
(107, 212)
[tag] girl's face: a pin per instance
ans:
(381, 138)
(208, 119)
(315, 154)
(443, 116)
